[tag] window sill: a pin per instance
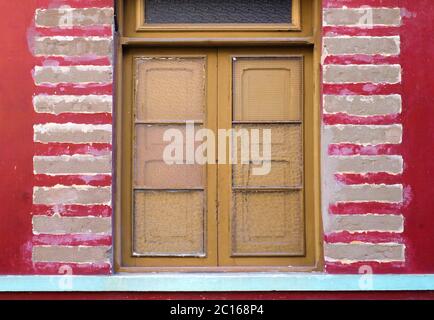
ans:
(206, 282)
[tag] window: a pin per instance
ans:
(188, 115)
(223, 14)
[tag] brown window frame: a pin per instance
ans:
(305, 39)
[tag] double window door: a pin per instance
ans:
(217, 158)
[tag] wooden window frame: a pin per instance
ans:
(307, 37)
(226, 188)
(210, 171)
(141, 26)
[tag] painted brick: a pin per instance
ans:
(361, 45)
(366, 223)
(363, 105)
(75, 164)
(364, 252)
(362, 73)
(69, 17)
(73, 104)
(71, 225)
(73, 74)
(364, 134)
(366, 164)
(362, 17)
(77, 254)
(73, 46)
(79, 195)
(360, 53)
(369, 192)
(72, 133)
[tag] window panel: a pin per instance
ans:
(267, 88)
(267, 224)
(170, 88)
(150, 169)
(286, 168)
(169, 198)
(222, 11)
(267, 215)
(169, 223)
(184, 216)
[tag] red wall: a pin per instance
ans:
(418, 138)
(17, 118)
(16, 130)
(16, 137)
(417, 90)
(397, 295)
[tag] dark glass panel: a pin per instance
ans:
(218, 11)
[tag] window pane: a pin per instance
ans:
(286, 167)
(169, 223)
(268, 88)
(267, 223)
(170, 89)
(222, 11)
(152, 171)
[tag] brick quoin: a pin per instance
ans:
(73, 49)
(407, 117)
(362, 106)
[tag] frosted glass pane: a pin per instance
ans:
(268, 89)
(268, 223)
(222, 11)
(150, 169)
(170, 89)
(286, 167)
(169, 223)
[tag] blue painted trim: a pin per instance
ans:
(216, 283)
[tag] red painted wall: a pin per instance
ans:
(17, 148)
(417, 90)
(418, 139)
(17, 118)
(16, 137)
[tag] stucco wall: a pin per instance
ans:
(374, 154)
(56, 136)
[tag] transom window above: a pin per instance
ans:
(215, 15)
